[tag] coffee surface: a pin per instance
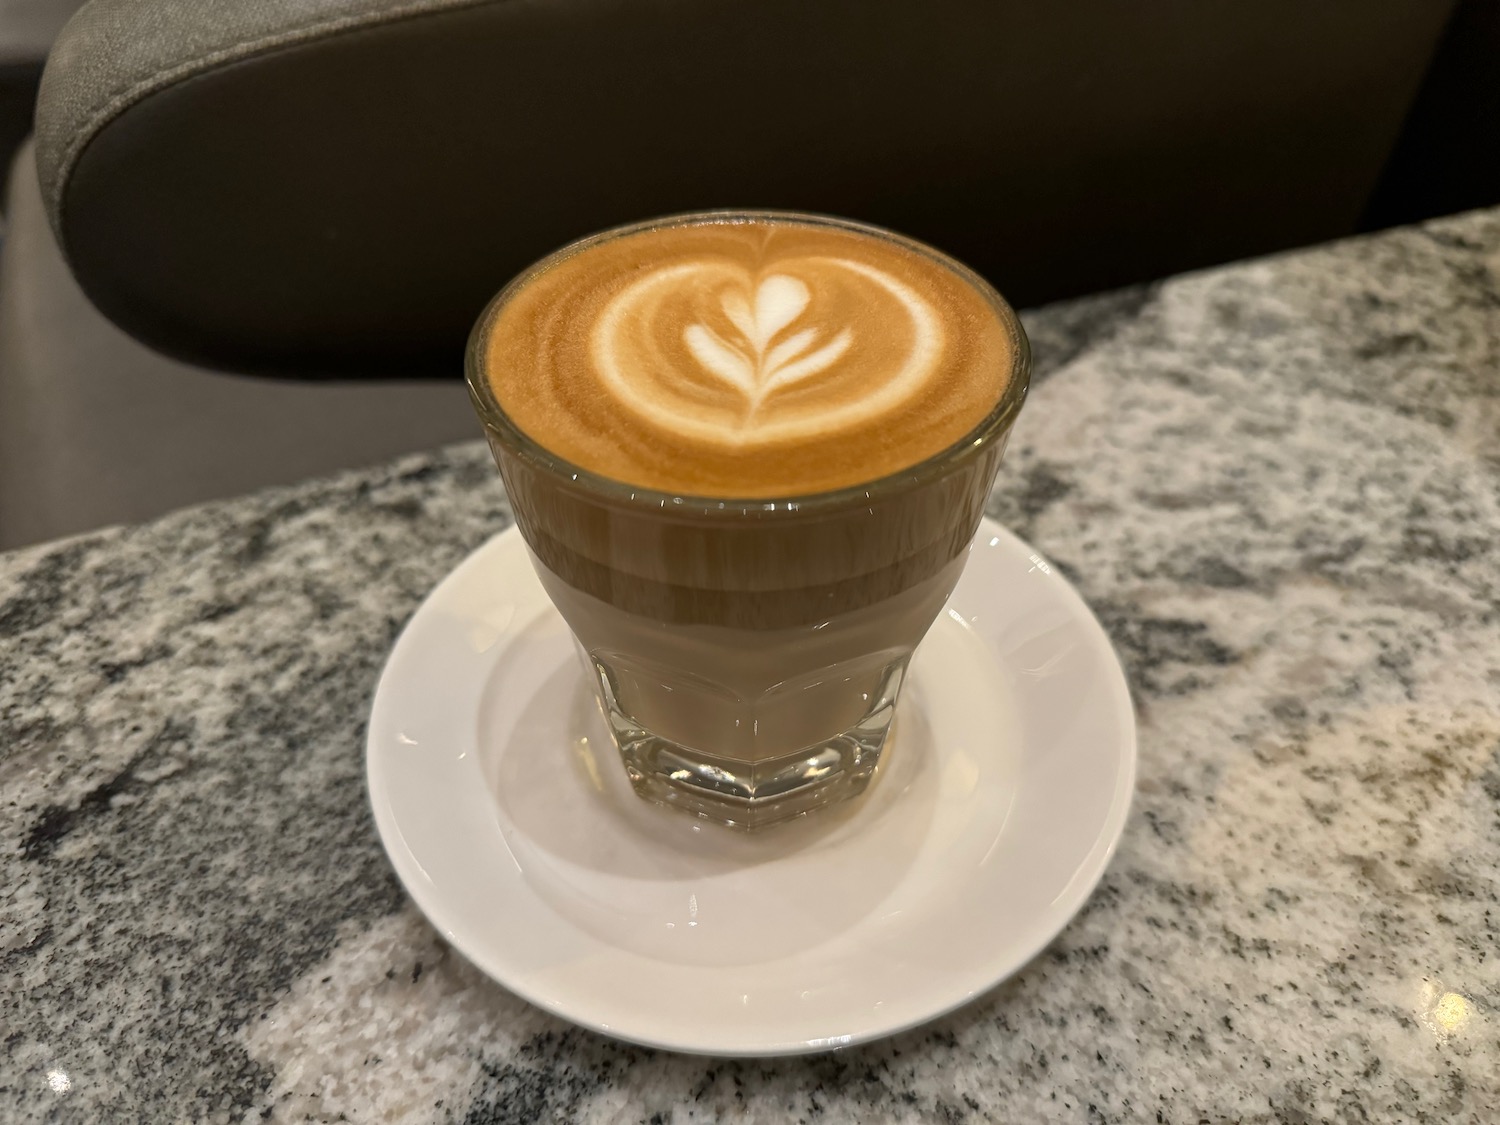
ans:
(747, 358)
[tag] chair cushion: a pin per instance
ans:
(96, 429)
(331, 186)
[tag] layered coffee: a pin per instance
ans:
(748, 453)
(752, 358)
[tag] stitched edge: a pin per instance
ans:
(122, 99)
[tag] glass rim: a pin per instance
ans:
(992, 427)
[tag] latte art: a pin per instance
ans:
(748, 358)
(759, 370)
(727, 376)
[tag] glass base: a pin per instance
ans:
(752, 794)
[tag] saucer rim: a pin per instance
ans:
(432, 901)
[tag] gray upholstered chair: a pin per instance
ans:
(96, 428)
(332, 188)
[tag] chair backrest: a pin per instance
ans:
(336, 186)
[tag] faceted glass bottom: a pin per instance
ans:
(755, 793)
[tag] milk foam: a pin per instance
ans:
(765, 340)
(748, 358)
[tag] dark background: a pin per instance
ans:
(1447, 158)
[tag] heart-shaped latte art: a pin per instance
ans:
(712, 351)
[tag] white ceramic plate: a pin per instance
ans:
(509, 819)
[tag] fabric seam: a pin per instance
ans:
(121, 100)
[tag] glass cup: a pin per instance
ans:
(748, 655)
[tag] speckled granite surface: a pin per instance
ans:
(1278, 483)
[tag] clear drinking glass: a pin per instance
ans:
(748, 655)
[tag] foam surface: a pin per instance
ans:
(748, 358)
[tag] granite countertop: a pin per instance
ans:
(1278, 483)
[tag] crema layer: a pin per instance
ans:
(747, 358)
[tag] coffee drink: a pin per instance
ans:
(757, 358)
(748, 452)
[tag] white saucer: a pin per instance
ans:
(509, 818)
